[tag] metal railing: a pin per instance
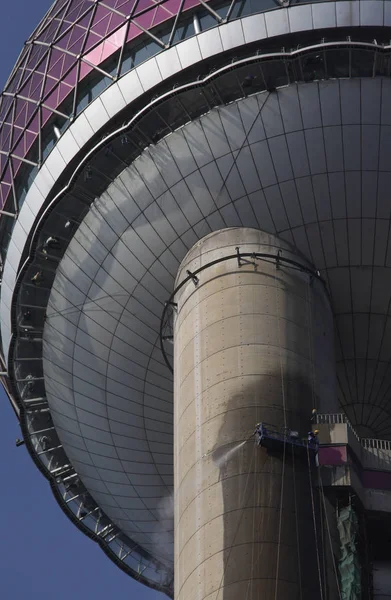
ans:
(372, 443)
(331, 419)
(341, 418)
(336, 418)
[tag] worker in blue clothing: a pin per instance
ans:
(259, 432)
(313, 439)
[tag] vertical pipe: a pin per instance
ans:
(197, 24)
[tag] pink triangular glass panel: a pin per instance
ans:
(190, 3)
(92, 40)
(133, 32)
(125, 6)
(172, 6)
(161, 15)
(143, 5)
(145, 20)
(84, 70)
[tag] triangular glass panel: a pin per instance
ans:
(133, 32)
(86, 20)
(29, 139)
(50, 83)
(6, 177)
(75, 43)
(41, 67)
(70, 78)
(33, 126)
(56, 56)
(4, 192)
(143, 5)
(145, 20)
(125, 6)
(38, 52)
(78, 9)
(172, 6)
(45, 115)
(115, 22)
(35, 86)
(161, 15)
(63, 42)
(190, 4)
(47, 35)
(101, 21)
(13, 85)
(16, 164)
(68, 63)
(20, 113)
(92, 40)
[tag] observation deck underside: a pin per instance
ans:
(309, 162)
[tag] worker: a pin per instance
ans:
(313, 439)
(248, 81)
(258, 432)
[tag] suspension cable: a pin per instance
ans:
(310, 345)
(245, 499)
(315, 528)
(297, 523)
(285, 430)
(328, 532)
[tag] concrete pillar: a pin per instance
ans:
(251, 343)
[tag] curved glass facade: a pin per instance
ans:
(75, 53)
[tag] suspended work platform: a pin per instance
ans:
(284, 439)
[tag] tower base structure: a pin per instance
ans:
(253, 339)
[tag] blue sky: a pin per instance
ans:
(42, 555)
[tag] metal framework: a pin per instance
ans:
(242, 258)
(77, 41)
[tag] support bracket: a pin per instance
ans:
(193, 277)
(278, 257)
(244, 261)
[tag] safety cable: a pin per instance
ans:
(245, 499)
(315, 528)
(296, 519)
(312, 366)
(323, 545)
(328, 531)
(285, 430)
(310, 345)
(313, 406)
(254, 562)
(235, 156)
(256, 498)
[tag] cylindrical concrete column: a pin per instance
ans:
(253, 342)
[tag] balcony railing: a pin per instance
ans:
(337, 418)
(372, 443)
